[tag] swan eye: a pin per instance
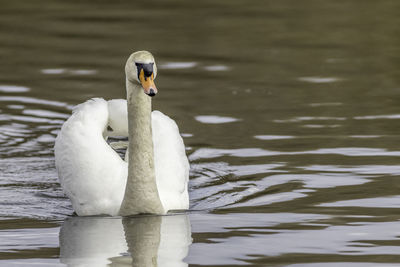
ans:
(147, 69)
(109, 128)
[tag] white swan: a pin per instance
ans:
(153, 180)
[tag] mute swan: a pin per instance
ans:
(153, 180)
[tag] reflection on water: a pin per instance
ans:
(319, 79)
(215, 119)
(13, 89)
(289, 111)
(312, 236)
(133, 241)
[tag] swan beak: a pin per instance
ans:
(148, 84)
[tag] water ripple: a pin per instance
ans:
(209, 153)
(44, 113)
(378, 117)
(337, 240)
(319, 79)
(273, 137)
(217, 68)
(68, 71)
(13, 89)
(376, 202)
(361, 169)
(25, 188)
(310, 118)
(212, 119)
(178, 65)
(33, 100)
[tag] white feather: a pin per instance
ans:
(94, 176)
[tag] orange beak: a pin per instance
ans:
(148, 84)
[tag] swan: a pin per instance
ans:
(153, 178)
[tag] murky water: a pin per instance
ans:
(289, 110)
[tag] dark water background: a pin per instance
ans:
(289, 111)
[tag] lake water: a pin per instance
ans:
(290, 112)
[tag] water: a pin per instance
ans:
(289, 111)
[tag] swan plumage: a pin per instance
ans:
(91, 173)
(94, 176)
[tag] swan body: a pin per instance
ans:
(153, 178)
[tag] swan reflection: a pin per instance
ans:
(134, 241)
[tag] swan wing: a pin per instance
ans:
(171, 163)
(91, 173)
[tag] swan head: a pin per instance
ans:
(141, 68)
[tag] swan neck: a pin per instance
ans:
(141, 193)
